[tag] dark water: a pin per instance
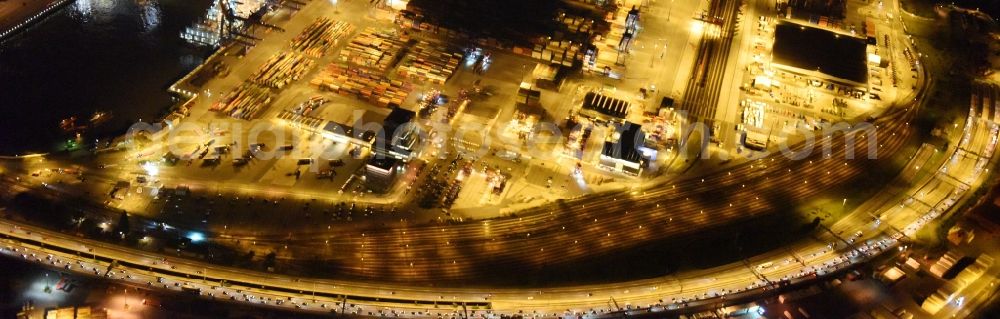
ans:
(990, 7)
(109, 55)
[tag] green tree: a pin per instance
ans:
(123, 226)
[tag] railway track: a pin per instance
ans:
(701, 97)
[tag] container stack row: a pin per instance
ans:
(319, 36)
(281, 69)
(363, 84)
(429, 62)
(374, 49)
(244, 102)
(556, 52)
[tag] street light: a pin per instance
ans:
(670, 9)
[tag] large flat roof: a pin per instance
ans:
(824, 51)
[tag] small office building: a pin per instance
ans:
(622, 151)
(380, 173)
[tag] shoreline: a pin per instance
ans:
(185, 97)
(26, 16)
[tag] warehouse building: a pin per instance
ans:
(822, 56)
(604, 107)
(396, 145)
(399, 138)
